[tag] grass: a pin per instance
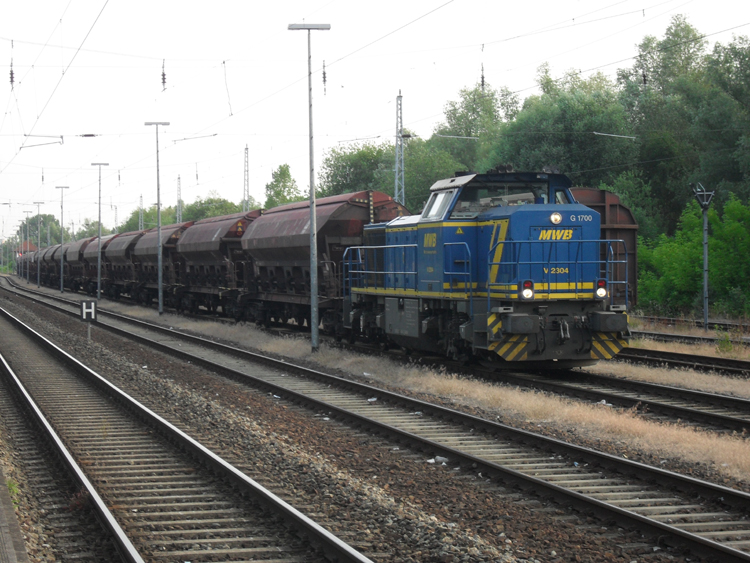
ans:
(13, 490)
(726, 347)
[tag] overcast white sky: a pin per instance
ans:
(235, 76)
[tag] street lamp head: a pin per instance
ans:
(157, 123)
(309, 26)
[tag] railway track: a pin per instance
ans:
(708, 518)
(720, 413)
(728, 366)
(56, 523)
(159, 494)
(720, 325)
(689, 338)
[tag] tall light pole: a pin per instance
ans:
(314, 322)
(28, 266)
(19, 263)
(8, 204)
(39, 244)
(158, 213)
(99, 249)
(62, 234)
(3, 248)
(19, 271)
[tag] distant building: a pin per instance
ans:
(27, 246)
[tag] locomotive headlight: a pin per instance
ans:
(555, 218)
(601, 289)
(526, 288)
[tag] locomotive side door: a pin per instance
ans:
(430, 242)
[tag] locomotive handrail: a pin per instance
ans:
(359, 268)
(512, 267)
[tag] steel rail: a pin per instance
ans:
(123, 544)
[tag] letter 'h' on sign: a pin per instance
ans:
(88, 311)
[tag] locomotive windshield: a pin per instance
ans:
(474, 199)
(437, 205)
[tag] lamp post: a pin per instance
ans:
(19, 262)
(704, 200)
(28, 266)
(99, 249)
(39, 244)
(314, 322)
(3, 248)
(62, 234)
(158, 214)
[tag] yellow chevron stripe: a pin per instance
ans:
(520, 348)
(602, 355)
(501, 228)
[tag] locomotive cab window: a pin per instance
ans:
(476, 199)
(437, 205)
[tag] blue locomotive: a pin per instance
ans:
(505, 267)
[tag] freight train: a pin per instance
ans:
(504, 267)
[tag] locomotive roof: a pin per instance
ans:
(559, 180)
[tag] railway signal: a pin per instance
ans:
(704, 198)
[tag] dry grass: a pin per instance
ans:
(684, 378)
(729, 345)
(687, 327)
(727, 348)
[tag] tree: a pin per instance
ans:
(371, 167)
(636, 194)
(212, 206)
(424, 164)
(356, 167)
(168, 217)
(477, 113)
(252, 203)
(679, 53)
(671, 268)
(556, 130)
(282, 188)
(90, 228)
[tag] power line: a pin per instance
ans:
(54, 90)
